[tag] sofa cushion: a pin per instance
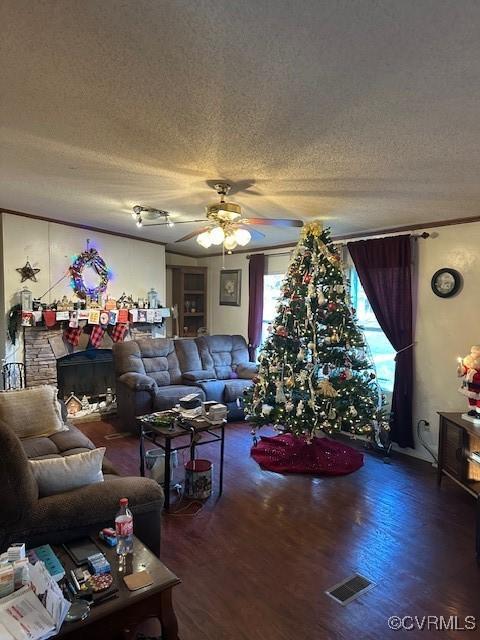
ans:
(154, 357)
(32, 412)
(188, 355)
(168, 396)
(223, 353)
(56, 475)
(64, 443)
(234, 389)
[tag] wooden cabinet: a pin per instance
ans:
(189, 294)
(457, 439)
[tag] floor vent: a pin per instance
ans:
(349, 589)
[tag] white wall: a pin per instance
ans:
(445, 328)
(225, 319)
(137, 266)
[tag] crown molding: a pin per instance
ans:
(76, 225)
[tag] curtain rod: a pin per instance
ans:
(423, 235)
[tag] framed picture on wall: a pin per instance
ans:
(231, 287)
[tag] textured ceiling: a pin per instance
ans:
(364, 114)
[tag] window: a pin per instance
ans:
(381, 350)
(271, 293)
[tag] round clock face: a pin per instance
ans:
(446, 282)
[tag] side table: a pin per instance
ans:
(163, 437)
(118, 617)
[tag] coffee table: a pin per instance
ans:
(163, 436)
(119, 616)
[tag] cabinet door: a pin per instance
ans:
(453, 450)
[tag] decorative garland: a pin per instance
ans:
(89, 258)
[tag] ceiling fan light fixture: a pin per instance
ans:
(230, 242)
(204, 239)
(137, 210)
(242, 236)
(217, 235)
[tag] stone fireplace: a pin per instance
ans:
(46, 353)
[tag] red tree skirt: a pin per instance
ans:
(290, 454)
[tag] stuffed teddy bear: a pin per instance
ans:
(469, 369)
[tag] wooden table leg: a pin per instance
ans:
(167, 616)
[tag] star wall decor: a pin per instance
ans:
(28, 272)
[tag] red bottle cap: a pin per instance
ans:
(123, 502)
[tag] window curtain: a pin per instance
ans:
(256, 271)
(384, 269)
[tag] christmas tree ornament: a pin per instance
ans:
(266, 409)
(280, 394)
(307, 278)
(300, 408)
(343, 375)
(311, 346)
(28, 272)
(331, 306)
(353, 412)
(301, 355)
(320, 297)
(332, 414)
(289, 406)
(281, 331)
(348, 373)
(326, 389)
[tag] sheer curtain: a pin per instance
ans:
(384, 269)
(256, 272)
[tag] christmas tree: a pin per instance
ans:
(314, 370)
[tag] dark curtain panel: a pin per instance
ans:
(384, 268)
(256, 271)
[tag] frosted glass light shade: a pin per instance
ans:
(242, 236)
(217, 235)
(230, 242)
(204, 239)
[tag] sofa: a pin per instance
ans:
(24, 516)
(153, 374)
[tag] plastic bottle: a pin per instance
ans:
(124, 528)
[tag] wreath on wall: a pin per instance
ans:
(89, 258)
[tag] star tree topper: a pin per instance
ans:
(28, 272)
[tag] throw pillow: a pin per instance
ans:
(32, 412)
(56, 475)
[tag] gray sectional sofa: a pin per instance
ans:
(153, 374)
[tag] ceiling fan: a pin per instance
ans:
(224, 223)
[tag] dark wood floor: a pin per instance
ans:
(255, 564)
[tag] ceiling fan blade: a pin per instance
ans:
(189, 236)
(273, 222)
(256, 235)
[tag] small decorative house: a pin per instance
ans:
(73, 404)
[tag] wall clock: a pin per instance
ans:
(446, 282)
